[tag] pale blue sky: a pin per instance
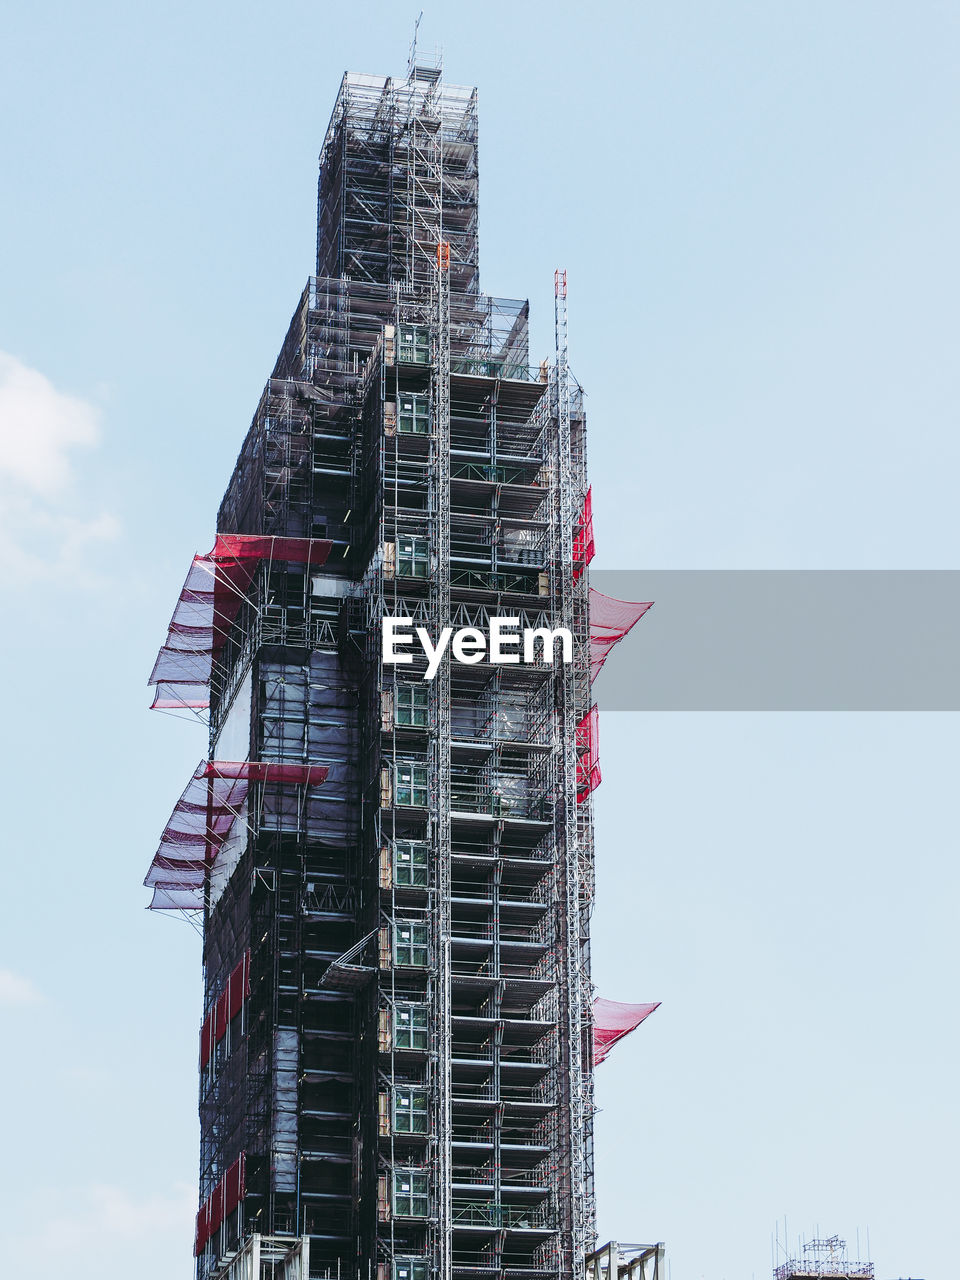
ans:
(757, 207)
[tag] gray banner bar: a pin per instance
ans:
(805, 640)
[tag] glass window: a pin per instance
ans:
(410, 1026)
(283, 694)
(411, 1197)
(413, 557)
(411, 863)
(410, 705)
(411, 784)
(414, 416)
(410, 1110)
(414, 346)
(410, 943)
(411, 1269)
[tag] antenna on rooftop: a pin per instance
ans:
(412, 59)
(823, 1258)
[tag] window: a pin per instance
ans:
(413, 557)
(410, 705)
(411, 1197)
(410, 1026)
(414, 347)
(283, 711)
(410, 943)
(411, 787)
(411, 865)
(414, 417)
(410, 1110)
(411, 1269)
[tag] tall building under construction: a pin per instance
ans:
(394, 874)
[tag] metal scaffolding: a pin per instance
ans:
(402, 1081)
(617, 1261)
(823, 1258)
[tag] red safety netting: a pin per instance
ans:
(201, 821)
(220, 1203)
(262, 771)
(612, 1021)
(224, 1009)
(610, 620)
(216, 585)
(584, 548)
(588, 754)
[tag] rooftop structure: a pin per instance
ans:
(824, 1259)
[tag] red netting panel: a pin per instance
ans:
(215, 587)
(202, 1234)
(251, 546)
(610, 620)
(224, 1009)
(220, 1017)
(172, 898)
(207, 1038)
(209, 601)
(203, 815)
(262, 771)
(613, 1020)
(588, 754)
(201, 821)
(186, 657)
(176, 873)
(220, 1203)
(235, 1185)
(238, 986)
(170, 695)
(584, 547)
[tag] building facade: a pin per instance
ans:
(394, 874)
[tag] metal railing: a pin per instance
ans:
(481, 1213)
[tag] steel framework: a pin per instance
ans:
(406, 1084)
(824, 1259)
(617, 1261)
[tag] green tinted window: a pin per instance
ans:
(411, 1269)
(413, 557)
(411, 865)
(410, 1110)
(411, 1197)
(410, 939)
(411, 786)
(411, 705)
(414, 416)
(410, 1026)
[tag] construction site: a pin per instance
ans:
(822, 1258)
(394, 876)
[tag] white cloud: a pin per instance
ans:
(44, 529)
(15, 990)
(38, 427)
